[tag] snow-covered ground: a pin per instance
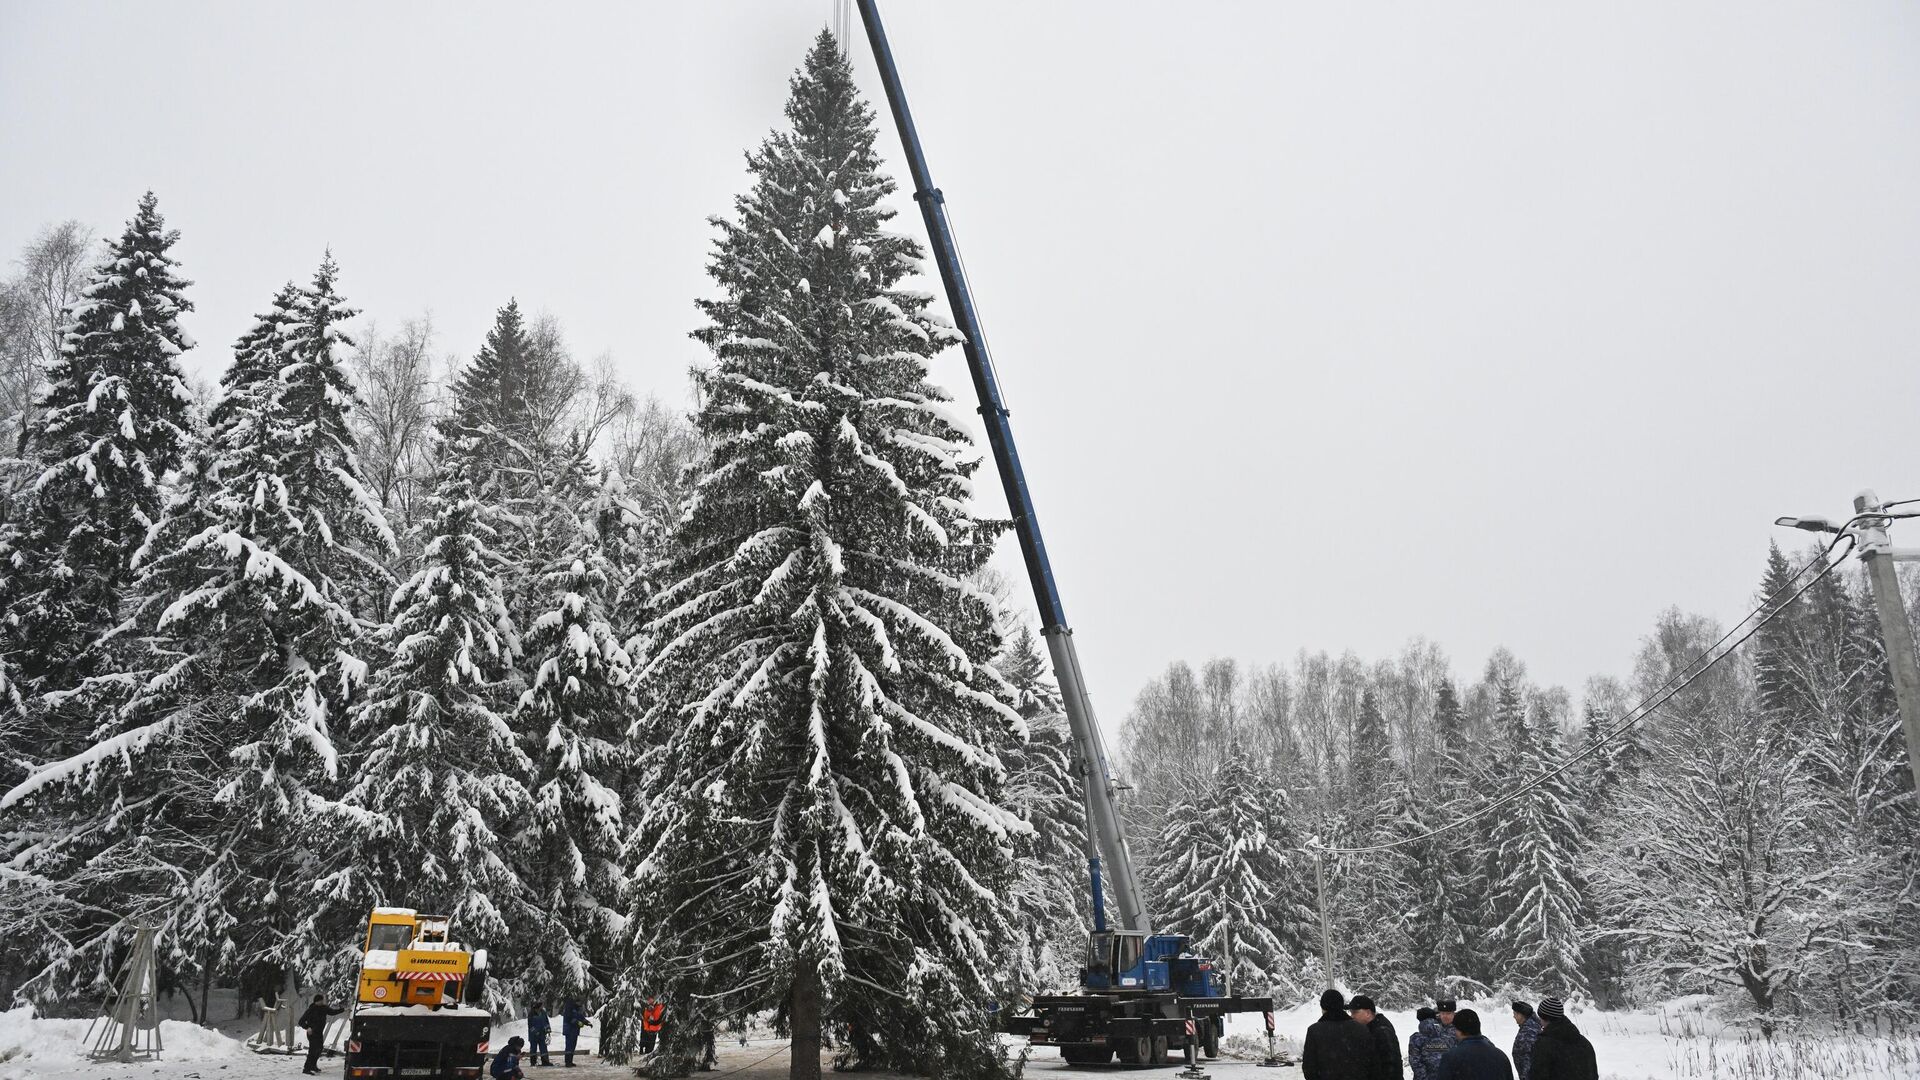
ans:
(1680, 1041)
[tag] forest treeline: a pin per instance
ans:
(1752, 839)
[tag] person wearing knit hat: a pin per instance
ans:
(1338, 1046)
(1524, 1038)
(1561, 1052)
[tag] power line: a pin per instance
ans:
(1712, 655)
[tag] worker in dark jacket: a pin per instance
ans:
(314, 1023)
(506, 1063)
(572, 1019)
(1384, 1059)
(539, 1030)
(1474, 1057)
(1338, 1047)
(1561, 1052)
(1523, 1039)
(1417, 1061)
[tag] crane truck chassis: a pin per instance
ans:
(1143, 994)
(417, 1012)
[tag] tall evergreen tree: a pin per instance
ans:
(574, 707)
(1535, 845)
(1225, 859)
(490, 394)
(116, 421)
(251, 644)
(439, 779)
(828, 830)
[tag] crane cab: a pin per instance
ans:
(410, 959)
(1121, 961)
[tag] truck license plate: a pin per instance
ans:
(419, 1072)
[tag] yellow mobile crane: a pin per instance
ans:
(417, 1012)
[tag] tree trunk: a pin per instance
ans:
(803, 1014)
(206, 988)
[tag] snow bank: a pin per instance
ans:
(30, 1044)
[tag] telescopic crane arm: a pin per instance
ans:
(1105, 841)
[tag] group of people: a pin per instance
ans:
(1352, 1040)
(506, 1064)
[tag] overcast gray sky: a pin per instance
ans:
(1322, 325)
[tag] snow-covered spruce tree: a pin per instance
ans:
(1372, 893)
(575, 708)
(251, 644)
(116, 420)
(1044, 787)
(828, 832)
(438, 780)
(1452, 891)
(1221, 861)
(1536, 844)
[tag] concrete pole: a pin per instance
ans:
(1896, 632)
(1326, 938)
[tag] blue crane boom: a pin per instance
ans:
(1105, 840)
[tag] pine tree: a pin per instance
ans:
(1373, 893)
(491, 393)
(116, 421)
(827, 831)
(575, 707)
(251, 646)
(1224, 861)
(1447, 932)
(1534, 841)
(438, 778)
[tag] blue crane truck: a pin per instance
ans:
(1143, 995)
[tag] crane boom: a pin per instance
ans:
(1105, 840)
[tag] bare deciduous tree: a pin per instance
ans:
(394, 422)
(33, 315)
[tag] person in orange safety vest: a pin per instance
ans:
(652, 1019)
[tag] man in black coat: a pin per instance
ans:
(314, 1022)
(1338, 1047)
(1474, 1057)
(1384, 1058)
(1561, 1052)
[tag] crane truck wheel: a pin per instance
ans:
(1134, 1051)
(1210, 1037)
(1159, 1052)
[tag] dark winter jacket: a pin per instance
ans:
(1386, 1049)
(1474, 1058)
(505, 1064)
(315, 1018)
(1562, 1053)
(1338, 1048)
(538, 1025)
(1427, 1046)
(571, 1017)
(1523, 1046)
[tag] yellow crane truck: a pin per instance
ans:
(418, 1010)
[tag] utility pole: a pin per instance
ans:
(1326, 938)
(1868, 528)
(1877, 554)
